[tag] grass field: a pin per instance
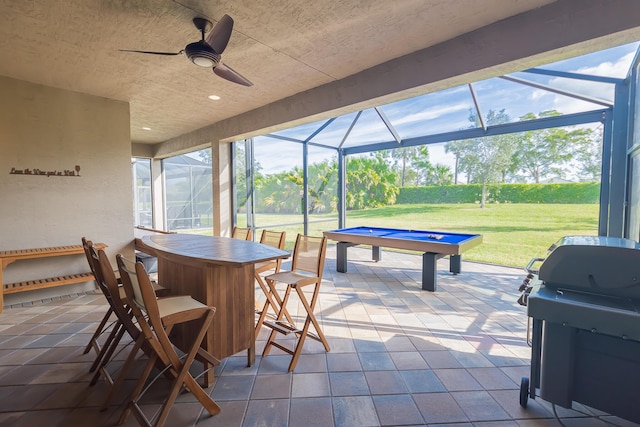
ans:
(512, 233)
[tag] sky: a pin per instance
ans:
(448, 110)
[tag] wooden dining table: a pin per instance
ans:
(219, 272)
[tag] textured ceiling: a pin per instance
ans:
(283, 46)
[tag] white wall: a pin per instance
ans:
(55, 130)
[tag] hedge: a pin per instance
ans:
(579, 192)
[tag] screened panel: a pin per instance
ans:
(369, 129)
(334, 134)
(565, 104)
(188, 194)
(301, 132)
(509, 101)
(633, 222)
(242, 184)
(323, 190)
(142, 196)
(633, 231)
(278, 186)
(443, 111)
(613, 62)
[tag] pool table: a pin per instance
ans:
(433, 244)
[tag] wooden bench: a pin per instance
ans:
(8, 257)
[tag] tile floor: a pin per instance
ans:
(399, 356)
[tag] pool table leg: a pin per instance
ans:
(375, 253)
(429, 271)
(455, 263)
(341, 256)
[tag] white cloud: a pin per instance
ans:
(432, 113)
(602, 91)
(618, 69)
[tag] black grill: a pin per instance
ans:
(584, 302)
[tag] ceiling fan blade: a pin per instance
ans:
(230, 74)
(219, 36)
(152, 53)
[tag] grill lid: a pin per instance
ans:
(596, 264)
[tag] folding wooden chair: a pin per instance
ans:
(92, 260)
(306, 270)
(277, 240)
(156, 318)
(114, 293)
(126, 319)
(242, 233)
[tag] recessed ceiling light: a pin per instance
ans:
(214, 97)
(146, 128)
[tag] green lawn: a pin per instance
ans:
(512, 233)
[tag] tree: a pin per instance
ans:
(460, 149)
(280, 193)
(421, 164)
(403, 155)
(415, 167)
(240, 170)
(588, 157)
(439, 175)
(542, 153)
(487, 159)
(370, 182)
(323, 194)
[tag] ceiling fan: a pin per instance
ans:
(207, 51)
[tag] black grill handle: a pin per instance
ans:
(529, 268)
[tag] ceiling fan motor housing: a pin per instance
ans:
(200, 53)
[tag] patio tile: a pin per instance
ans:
(369, 346)
(354, 411)
(422, 381)
(440, 359)
(310, 385)
(182, 414)
(397, 409)
(439, 408)
(493, 379)
(385, 382)
(312, 362)
(20, 356)
(25, 375)
(457, 379)
(311, 412)
(348, 384)
(231, 415)
(24, 397)
(238, 366)
(343, 362)
(376, 361)
(508, 400)
(405, 360)
(272, 413)
(479, 406)
(232, 387)
(398, 342)
(341, 345)
(273, 364)
(272, 386)
(63, 373)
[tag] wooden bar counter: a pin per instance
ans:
(219, 272)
